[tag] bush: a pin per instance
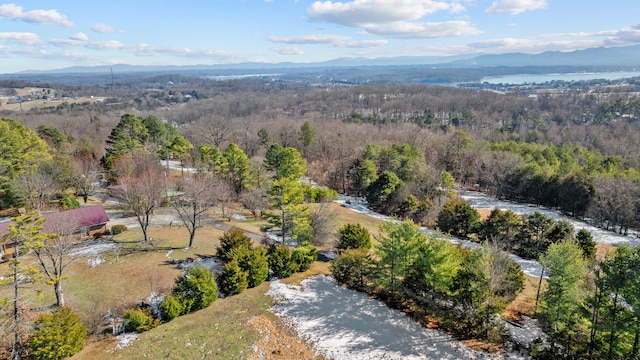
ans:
(117, 229)
(196, 289)
(171, 307)
(69, 203)
(233, 280)
(140, 320)
(352, 269)
(280, 261)
(303, 256)
(234, 238)
(57, 335)
(255, 263)
(320, 194)
(354, 236)
(458, 218)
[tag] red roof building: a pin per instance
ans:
(90, 221)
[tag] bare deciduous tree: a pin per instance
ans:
(198, 196)
(323, 224)
(224, 195)
(53, 251)
(255, 199)
(37, 187)
(142, 194)
(85, 172)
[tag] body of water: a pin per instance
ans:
(542, 78)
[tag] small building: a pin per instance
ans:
(89, 222)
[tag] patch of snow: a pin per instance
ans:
(93, 248)
(168, 254)
(348, 325)
(481, 201)
(154, 299)
(214, 264)
(238, 217)
(526, 333)
(359, 205)
(276, 237)
(125, 340)
(93, 262)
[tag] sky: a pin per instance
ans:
(46, 35)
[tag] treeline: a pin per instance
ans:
(527, 236)
(397, 180)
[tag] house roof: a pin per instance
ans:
(82, 217)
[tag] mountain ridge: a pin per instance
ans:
(627, 56)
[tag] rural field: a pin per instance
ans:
(31, 103)
(108, 275)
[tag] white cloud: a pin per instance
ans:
(104, 28)
(23, 38)
(290, 50)
(309, 39)
(625, 36)
(335, 40)
(111, 44)
(151, 50)
(365, 43)
(79, 37)
(515, 7)
(15, 12)
(532, 46)
(394, 18)
(404, 29)
(361, 12)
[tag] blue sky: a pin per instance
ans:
(42, 35)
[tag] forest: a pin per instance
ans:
(403, 148)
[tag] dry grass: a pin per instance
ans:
(277, 342)
(602, 250)
(228, 329)
(524, 304)
(317, 268)
(346, 216)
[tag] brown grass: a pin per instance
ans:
(524, 304)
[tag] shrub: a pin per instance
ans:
(117, 229)
(171, 307)
(320, 194)
(352, 268)
(234, 238)
(233, 280)
(255, 263)
(57, 335)
(69, 202)
(303, 256)
(354, 236)
(458, 218)
(280, 261)
(140, 320)
(196, 288)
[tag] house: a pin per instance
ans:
(89, 221)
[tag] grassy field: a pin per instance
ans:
(40, 103)
(238, 327)
(232, 328)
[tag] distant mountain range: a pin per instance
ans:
(613, 57)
